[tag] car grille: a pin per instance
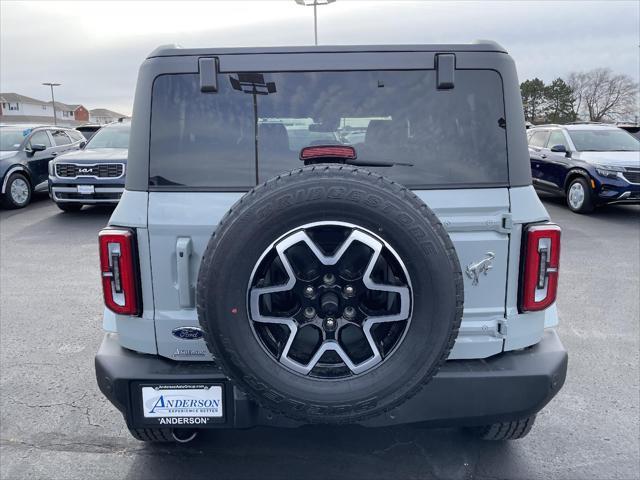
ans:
(95, 196)
(106, 170)
(632, 175)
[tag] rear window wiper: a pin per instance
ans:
(344, 154)
(374, 163)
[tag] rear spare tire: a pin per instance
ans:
(330, 294)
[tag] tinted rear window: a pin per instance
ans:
(210, 140)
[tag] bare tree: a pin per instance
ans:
(577, 81)
(601, 95)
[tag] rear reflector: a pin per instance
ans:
(119, 270)
(541, 261)
(328, 151)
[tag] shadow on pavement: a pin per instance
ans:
(348, 452)
(622, 212)
(65, 227)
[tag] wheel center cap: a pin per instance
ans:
(329, 303)
(330, 324)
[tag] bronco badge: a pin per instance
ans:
(474, 270)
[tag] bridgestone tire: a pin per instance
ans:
(505, 431)
(341, 194)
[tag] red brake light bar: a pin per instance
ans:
(119, 270)
(328, 151)
(541, 261)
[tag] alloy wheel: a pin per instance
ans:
(576, 195)
(330, 300)
(19, 191)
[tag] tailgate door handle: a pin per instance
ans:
(184, 250)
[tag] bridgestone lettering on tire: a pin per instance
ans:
(330, 294)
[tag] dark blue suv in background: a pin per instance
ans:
(591, 164)
(25, 152)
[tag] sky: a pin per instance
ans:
(95, 48)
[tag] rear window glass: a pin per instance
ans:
(113, 136)
(255, 125)
(61, 138)
(539, 138)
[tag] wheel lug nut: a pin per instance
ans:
(349, 312)
(349, 291)
(329, 323)
(329, 278)
(309, 312)
(309, 291)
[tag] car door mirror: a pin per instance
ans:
(559, 149)
(83, 144)
(36, 147)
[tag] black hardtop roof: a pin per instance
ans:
(476, 46)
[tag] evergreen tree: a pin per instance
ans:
(559, 102)
(533, 99)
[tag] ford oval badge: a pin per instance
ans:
(187, 333)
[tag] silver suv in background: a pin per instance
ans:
(93, 175)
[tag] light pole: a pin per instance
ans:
(314, 3)
(53, 100)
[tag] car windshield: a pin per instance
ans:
(116, 136)
(604, 141)
(12, 138)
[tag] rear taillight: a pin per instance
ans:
(541, 260)
(119, 270)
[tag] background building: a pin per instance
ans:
(16, 108)
(102, 115)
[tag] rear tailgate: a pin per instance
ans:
(478, 221)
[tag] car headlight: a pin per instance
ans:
(51, 167)
(609, 171)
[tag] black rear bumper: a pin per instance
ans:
(506, 387)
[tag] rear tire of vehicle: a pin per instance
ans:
(155, 435)
(505, 431)
(368, 202)
(580, 197)
(69, 207)
(18, 192)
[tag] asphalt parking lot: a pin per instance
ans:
(55, 424)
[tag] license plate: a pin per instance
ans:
(85, 189)
(175, 401)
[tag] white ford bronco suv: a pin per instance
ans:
(329, 235)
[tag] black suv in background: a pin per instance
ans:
(25, 151)
(92, 175)
(88, 130)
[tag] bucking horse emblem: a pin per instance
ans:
(474, 270)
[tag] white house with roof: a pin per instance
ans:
(76, 112)
(103, 115)
(16, 108)
(16, 105)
